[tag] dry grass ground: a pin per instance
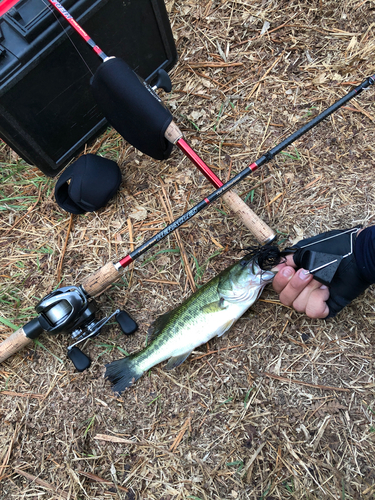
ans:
(245, 417)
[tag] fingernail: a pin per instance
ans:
(324, 287)
(303, 274)
(287, 272)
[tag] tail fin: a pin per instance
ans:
(123, 373)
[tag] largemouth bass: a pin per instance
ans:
(208, 313)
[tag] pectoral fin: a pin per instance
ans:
(175, 361)
(214, 307)
(226, 327)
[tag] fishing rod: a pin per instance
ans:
(64, 308)
(132, 106)
(73, 23)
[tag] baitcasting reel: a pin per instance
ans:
(69, 309)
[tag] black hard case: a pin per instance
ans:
(47, 112)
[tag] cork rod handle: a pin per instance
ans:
(259, 229)
(16, 341)
(99, 281)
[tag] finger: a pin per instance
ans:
(317, 306)
(304, 298)
(295, 286)
(290, 260)
(287, 261)
(282, 278)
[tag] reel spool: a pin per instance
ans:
(68, 309)
(63, 309)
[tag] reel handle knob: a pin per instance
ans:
(126, 322)
(163, 81)
(79, 359)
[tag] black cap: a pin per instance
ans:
(93, 182)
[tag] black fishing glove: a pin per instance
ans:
(344, 260)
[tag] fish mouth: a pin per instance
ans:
(267, 276)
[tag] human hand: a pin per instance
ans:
(298, 289)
